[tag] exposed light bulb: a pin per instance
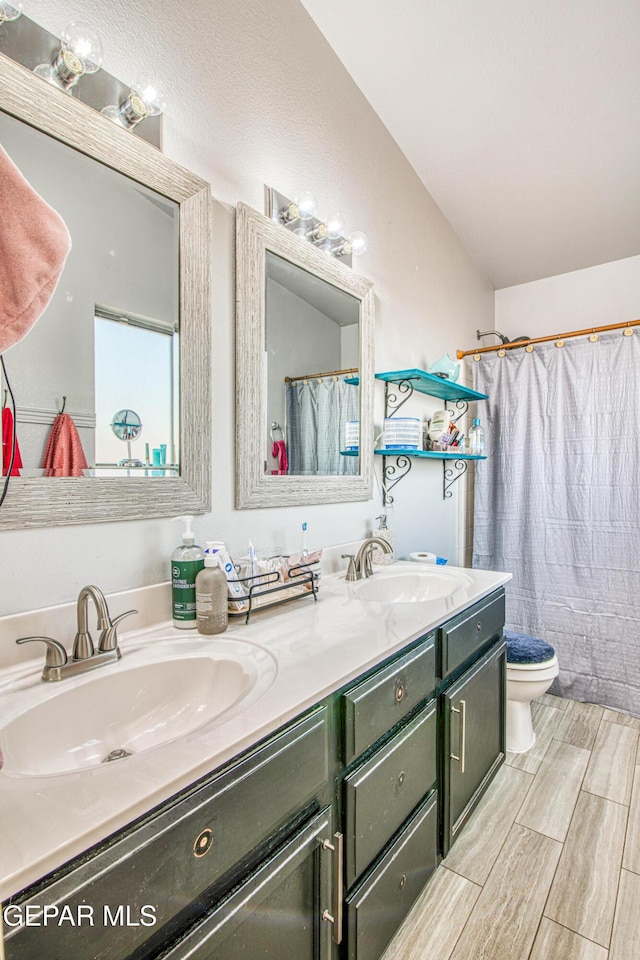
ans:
(335, 226)
(359, 242)
(145, 99)
(306, 204)
(10, 11)
(80, 52)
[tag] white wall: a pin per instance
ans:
(258, 97)
(608, 293)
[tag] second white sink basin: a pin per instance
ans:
(406, 584)
(154, 694)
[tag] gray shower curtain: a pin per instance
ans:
(317, 411)
(557, 503)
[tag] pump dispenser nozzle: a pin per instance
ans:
(188, 536)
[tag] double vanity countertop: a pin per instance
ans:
(303, 652)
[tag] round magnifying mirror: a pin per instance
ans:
(127, 426)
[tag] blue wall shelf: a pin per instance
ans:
(399, 386)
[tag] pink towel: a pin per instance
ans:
(279, 452)
(64, 456)
(7, 443)
(34, 244)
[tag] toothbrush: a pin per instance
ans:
(253, 560)
(303, 543)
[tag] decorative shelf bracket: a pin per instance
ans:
(401, 467)
(462, 406)
(451, 473)
(393, 401)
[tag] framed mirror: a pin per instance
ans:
(304, 371)
(128, 325)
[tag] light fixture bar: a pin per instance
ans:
(314, 228)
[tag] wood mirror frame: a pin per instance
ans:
(255, 235)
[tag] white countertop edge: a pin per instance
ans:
(53, 832)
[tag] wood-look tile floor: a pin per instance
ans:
(549, 866)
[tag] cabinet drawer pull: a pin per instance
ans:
(479, 626)
(401, 778)
(335, 918)
(462, 735)
(400, 692)
(403, 880)
(203, 843)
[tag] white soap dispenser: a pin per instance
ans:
(212, 611)
(378, 556)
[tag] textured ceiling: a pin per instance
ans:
(521, 118)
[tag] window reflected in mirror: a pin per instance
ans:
(136, 366)
(312, 361)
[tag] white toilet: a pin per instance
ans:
(532, 666)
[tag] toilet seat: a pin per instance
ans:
(531, 672)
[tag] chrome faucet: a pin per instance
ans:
(84, 656)
(360, 566)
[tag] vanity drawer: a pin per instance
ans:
(377, 704)
(470, 632)
(380, 903)
(211, 836)
(381, 793)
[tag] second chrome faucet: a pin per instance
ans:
(360, 565)
(84, 656)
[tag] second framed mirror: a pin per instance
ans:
(304, 371)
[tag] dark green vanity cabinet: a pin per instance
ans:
(473, 710)
(389, 796)
(315, 843)
(192, 852)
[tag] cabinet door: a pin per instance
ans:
(474, 738)
(284, 909)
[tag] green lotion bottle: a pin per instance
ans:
(187, 561)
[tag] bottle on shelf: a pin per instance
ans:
(476, 439)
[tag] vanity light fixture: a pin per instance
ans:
(9, 11)
(145, 99)
(326, 233)
(80, 52)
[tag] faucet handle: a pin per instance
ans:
(56, 655)
(109, 636)
(352, 572)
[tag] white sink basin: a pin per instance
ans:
(406, 584)
(156, 693)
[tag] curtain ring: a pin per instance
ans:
(627, 332)
(502, 353)
(559, 343)
(594, 337)
(529, 348)
(476, 357)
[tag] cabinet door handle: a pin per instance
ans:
(462, 735)
(337, 848)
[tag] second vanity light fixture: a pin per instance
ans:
(80, 53)
(327, 233)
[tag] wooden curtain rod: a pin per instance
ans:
(317, 376)
(558, 336)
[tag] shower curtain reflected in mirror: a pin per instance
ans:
(557, 504)
(317, 413)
